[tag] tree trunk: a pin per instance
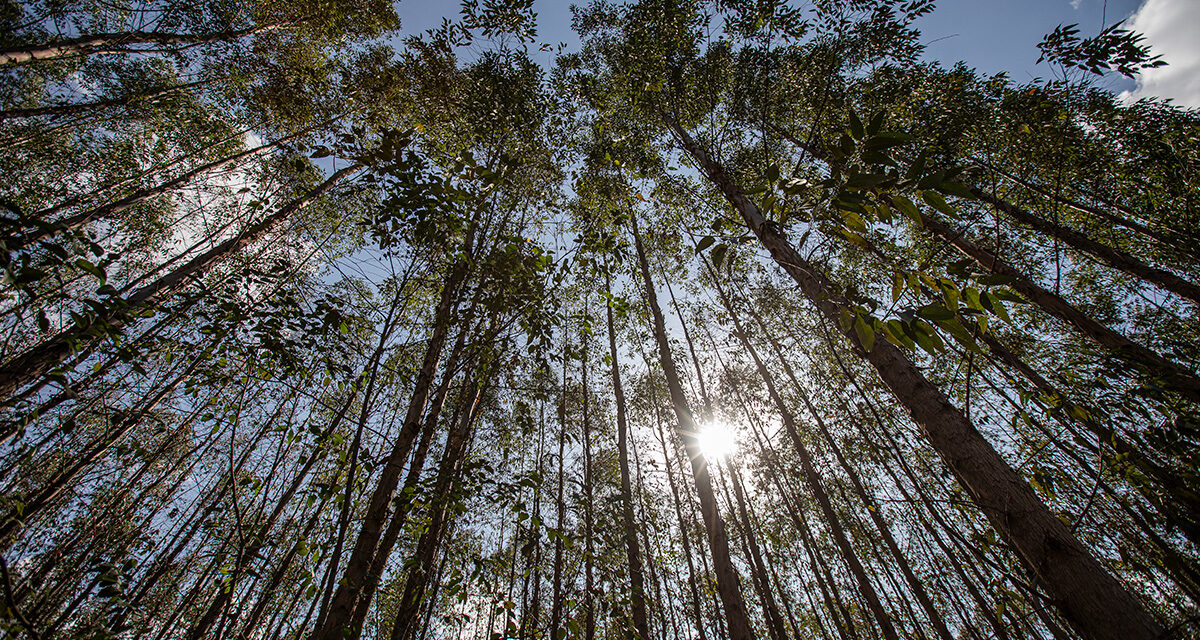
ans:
(817, 486)
(758, 567)
(117, 42)
(637, 600)
(380, 507)
(1095, 602)
(1114, 258)
(104, 212)
(83, 107)
(1171, 375)
(684, 536)
(556, 602)
(1119, 220)
(914, 584)
(449, 473)
(728, 586)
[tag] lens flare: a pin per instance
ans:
(717, 440)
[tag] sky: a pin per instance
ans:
(990, 35)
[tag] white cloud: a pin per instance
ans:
(1075, 4)
(1170, 27)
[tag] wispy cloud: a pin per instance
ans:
(1170, 30)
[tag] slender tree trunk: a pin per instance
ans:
(41, 359)
(758, 567)
(728, 586)
(277, 576)
(817, 486)
(914, 584)
(35, 503)
(380, 506)
(589, 613)
(1097, 604)
(107, 211)
(637, 587)
(411, 481)
(419, 578)
(684, 536)
(556, 603)
(1114, 258)
(84, 107)
(117, 43)
(1119, 220)
(372, 373)
(1168, 373)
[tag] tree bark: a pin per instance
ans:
(1170, 374)
(1114, 258)
(449, 473)
(84, 107)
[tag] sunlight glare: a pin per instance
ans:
(717, 440)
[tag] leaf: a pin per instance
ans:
(995, 279)
(952, 188)
(864, 180)
(876, 123)
(927, 338)
(718, 255)
(995, 305)
(960, 333)
(935, 200)
(866, 335)
(907, 207)
(704, 243)
(887, 140)
(893, 332)
(935, 312)
(856, 126)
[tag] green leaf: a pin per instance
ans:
(705, 243)
(935, 200)
(935, 312)
(866, 335)
(907, 207)
(995, 280)
(927, 337)
(959, 332)
(887, 140)
(864, 180)
(718, 255)
(893, 332)
(876, 123)
(995, 305)
(952, 188)
(856, 126)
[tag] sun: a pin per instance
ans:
(717, 440)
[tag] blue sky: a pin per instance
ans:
(990, 35)
(1002, 35)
